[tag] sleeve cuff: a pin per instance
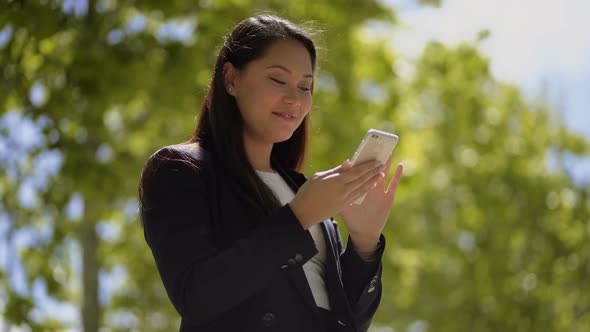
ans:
(362, 266)
(286, 232)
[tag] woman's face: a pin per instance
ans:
(273, 92)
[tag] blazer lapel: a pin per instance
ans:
(338, 299)
(298, 279)
(297, 275)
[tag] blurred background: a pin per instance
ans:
(491, 226)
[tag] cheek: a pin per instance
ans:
(253, 99)
(265, 95)
(306, 102)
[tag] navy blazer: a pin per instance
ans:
(226, 267)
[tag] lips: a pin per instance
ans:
(286, 115)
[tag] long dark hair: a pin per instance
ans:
(220, 125)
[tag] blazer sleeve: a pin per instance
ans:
(361, 279)
(201, 280)
(362, 283)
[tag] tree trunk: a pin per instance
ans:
(90, 310)
(88, 237)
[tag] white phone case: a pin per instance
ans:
(376, 145)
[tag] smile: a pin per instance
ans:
(286, 116)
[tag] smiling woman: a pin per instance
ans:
(242, 240)
(273, 94)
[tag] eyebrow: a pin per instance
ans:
(287, 70)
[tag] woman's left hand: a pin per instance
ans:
(365, 222)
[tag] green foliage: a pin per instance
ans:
(17, 308)
(486, 233)
(485, 236)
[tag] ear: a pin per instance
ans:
(230, 78)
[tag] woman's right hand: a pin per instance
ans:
(326, 193)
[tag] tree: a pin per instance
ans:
(489, 233)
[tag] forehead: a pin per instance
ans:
(288, 53)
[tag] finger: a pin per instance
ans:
(365, 186)
(382, 183)
(346, 165)
(385, 170)
(357, 171)
(373, 174)
(388, 163)
(338, 169)
(395, 180)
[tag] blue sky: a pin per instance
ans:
(542, 46)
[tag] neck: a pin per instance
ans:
(258, 154)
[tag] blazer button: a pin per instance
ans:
(298, 258)
(268, 319)
(291, 261)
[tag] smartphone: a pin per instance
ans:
(376, 145)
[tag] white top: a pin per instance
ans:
(315, 267)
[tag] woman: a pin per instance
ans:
(242, 241)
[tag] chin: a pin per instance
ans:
(281, 137)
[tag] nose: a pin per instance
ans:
(291, 97)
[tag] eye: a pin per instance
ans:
(277, 81)
(305, 89)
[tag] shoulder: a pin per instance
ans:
(182, 151)
(178, 156)
(178, 162)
